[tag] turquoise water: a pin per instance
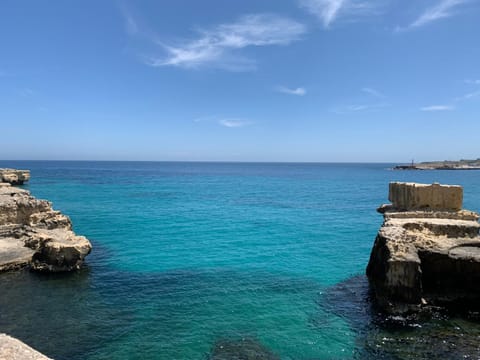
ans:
(190, 255)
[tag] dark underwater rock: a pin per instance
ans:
(431, 333)
(241, 349)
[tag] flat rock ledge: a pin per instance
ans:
(35, 236)
(13, 349)
(14, 176)
(427, 252)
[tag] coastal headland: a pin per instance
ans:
(427, 252)
(32, 234)
(442, 165)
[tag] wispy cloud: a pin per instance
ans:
(26, 92)
(205, 119)
(218, 46)
(300, 91)
(469, 96)
(455, 102)
(441, 10)
(327, 11)
(364, 107)
(234, 123)
(230, 122)
(437, 108)
(130, 24)
(373, 92)
(360, 107)
(365, 103)
(471, 81)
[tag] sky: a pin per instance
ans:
(218, 80)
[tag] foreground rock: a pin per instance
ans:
(427, 251)
(34, 235)
(13, 176)
(13, 349)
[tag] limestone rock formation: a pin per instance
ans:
(412, 196)
(13, 349)
(34, 235)
(427, 251)
(13, 176)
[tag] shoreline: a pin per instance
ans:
(420, 168)
(441, 165)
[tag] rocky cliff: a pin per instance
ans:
(14, 176)
(427, 251)
(34, 235)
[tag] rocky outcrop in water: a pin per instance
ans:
(34, 235)
(13, 349)
(427, 251)
(13, 176)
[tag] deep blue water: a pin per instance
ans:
(190, 255)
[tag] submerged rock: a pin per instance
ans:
(34, 235)
(242, 349)
(433, 333)
(427, 251)
(14, 177)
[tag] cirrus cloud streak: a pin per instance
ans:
(219, 46)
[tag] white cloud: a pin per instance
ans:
(234, 123)
(224, 121)
(325, 10)
(470, 95)
(474, 82)
(329, 10)
(365, 107)
(456, 101)
(373, 92)
(360, 107)
(441, 10)
(216, 47)
(300, 91)
(437, 108)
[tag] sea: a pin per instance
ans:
(210, 260)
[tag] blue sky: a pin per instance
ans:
(264, 80)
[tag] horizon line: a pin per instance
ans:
(223, 161)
